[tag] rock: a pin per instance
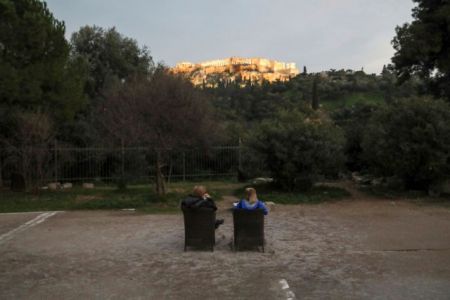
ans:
(67, 185)
(87, 185)
(376, 181)
(270, 205)
(261, 180)
(356, 178)
(53, 186)
(361, 179)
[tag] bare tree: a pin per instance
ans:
(163, 111)
(28, 149)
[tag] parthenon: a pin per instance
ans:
(247, 69)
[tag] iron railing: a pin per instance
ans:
(132, 164)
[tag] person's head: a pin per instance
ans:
(250, 194)
(199, 191)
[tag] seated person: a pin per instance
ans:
(200, 199)
(251, 202)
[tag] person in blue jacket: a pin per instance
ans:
(251, 202)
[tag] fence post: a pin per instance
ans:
(1, 168)
(123, 162)
(239, 155)
(184, 166)
(55, 151)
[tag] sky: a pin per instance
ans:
(318, 34)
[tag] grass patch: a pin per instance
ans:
(140, 197)
(317, 194)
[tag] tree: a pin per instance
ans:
(298, 149)
(28, 152)
(110, 56)
(423, 47)
(410, 139)
(161, 111)
(305, 72)
(35, 71)
(353, 120)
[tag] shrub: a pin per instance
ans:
(297, 150)
(410, 139)
(353, 120)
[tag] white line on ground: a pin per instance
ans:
(33, 222)
(290, 295)
(27, 212)
(285, 286)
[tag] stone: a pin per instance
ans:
(356, 178)
(67, 185)
(261, 180)
(53, 186)
(361, 179)
(376, 181)
(270, 205)
(88, 185)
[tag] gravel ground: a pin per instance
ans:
(352, 249)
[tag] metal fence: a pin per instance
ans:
(132, 164)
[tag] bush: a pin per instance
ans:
(353, 120)
(298, 150)
(410, 139)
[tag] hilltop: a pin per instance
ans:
(236, 68)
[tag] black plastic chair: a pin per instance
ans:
(199, 228)
(248, 229)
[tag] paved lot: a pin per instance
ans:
(345, 250)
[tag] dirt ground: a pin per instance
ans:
(352, 249)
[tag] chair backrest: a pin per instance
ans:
(199, 227)
(248, 228)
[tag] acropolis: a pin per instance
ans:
(254, 70)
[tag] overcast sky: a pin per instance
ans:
(321, 34)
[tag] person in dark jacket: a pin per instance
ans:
(200, 199)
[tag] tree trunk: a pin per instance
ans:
(25, 165)
(160, 184)
(1, 171)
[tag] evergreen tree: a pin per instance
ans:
(111, 57)
(35, 70)
(423, 46)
